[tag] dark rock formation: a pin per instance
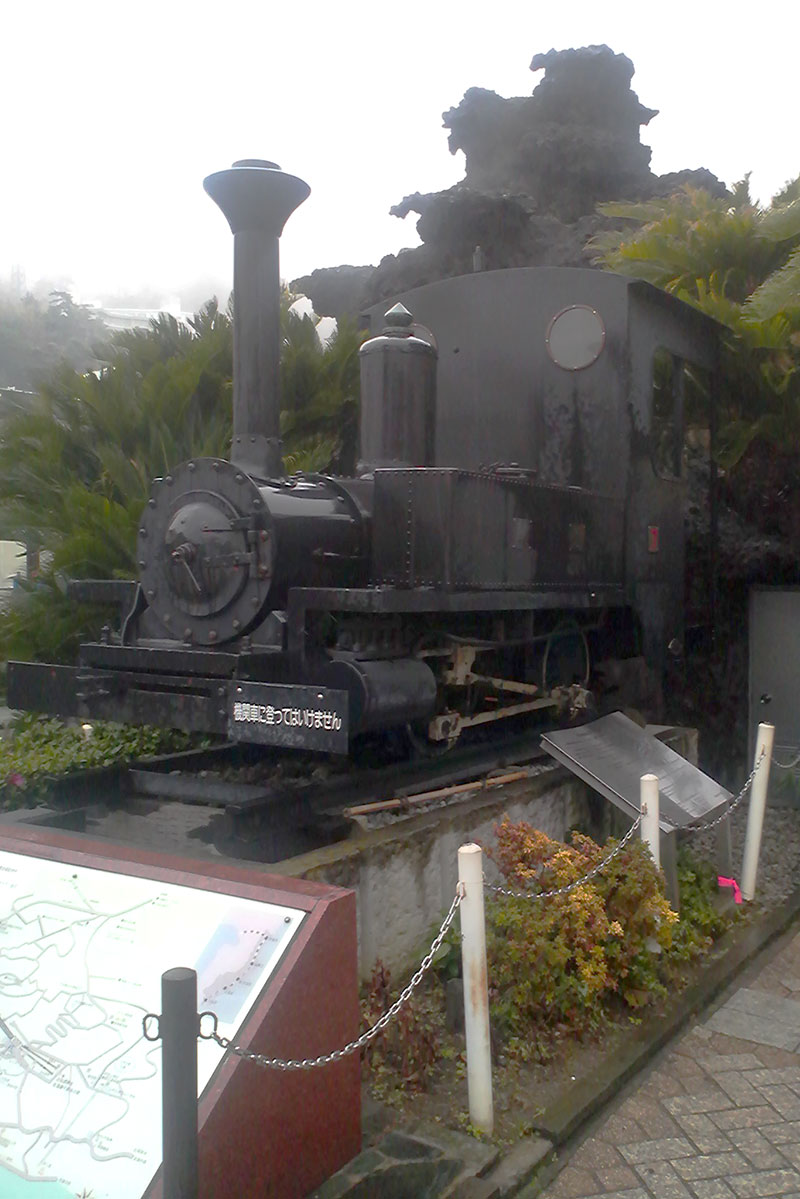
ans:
(536, 168)
(335, 291)
(455, 222)
(572, 144)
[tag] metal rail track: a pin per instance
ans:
(279, 817)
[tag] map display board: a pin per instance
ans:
(82, 952)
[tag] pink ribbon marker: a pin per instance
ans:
(730, 882)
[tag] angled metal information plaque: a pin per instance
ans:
(612, 754)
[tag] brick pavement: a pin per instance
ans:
(718, 1114)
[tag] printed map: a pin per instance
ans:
(82, 952)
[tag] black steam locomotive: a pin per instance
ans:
(513, 539)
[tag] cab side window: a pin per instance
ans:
(666, 423)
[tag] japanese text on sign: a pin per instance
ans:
(309, 718)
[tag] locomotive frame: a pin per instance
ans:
(514, 535)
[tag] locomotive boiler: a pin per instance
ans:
(512, 540)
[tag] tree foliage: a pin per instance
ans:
(77, 459)
(739, 264)
(36, 337)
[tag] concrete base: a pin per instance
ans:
(405, 873)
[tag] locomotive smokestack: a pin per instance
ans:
(257, 198)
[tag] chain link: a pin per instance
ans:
(702, 828)
(276, 1063)
(795, 762)
(580, 882)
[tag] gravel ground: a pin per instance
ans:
(779, 859)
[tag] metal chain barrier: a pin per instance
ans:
(208, 1024)
(336, 1055)
(702, 828)
(795, 762)
(580, 882)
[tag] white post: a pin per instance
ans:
(648, 802)
(476, 989)
(758, 802)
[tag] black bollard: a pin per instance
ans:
(178, 1027)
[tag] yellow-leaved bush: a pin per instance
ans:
(556, 964)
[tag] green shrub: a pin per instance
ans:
(700, 923)
(37, 750)
(556, 964)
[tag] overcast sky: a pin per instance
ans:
(113, 113)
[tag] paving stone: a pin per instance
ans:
(757, 1149)
(765, 1006)
(619, 1129)
(616, 1179)
(651, 1115)
(572, 1183)
(712, 1165)
(784, 1100)
(633, 1193)
(745, 1117)
(687, 1069)
(783, 1134)
(663, 1149)
(711, 1188)
(792, 1154)
(704, 1134)
(662, 1180)
(719, 1063)
(725, 1044)
(595, 1154)
(662, 1085)
(749, 1139)
(765, 1182)
(784, 1075)
(737, 1087)
(702, 1101)
(747, 1027)
(775, 1059)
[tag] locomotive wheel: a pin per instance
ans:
(566, 659)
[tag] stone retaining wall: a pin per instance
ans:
(405, 873)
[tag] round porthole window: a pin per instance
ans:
(576, 337)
